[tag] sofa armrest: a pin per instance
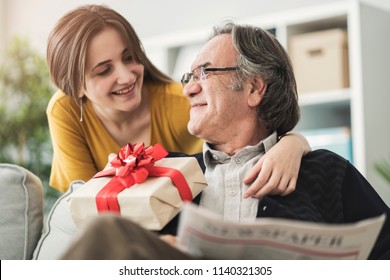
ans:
(21, 212)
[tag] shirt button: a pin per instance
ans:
(215, 157)
(238, 160)
(232, 193)
(264, 208)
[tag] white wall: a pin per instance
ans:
(34, 19)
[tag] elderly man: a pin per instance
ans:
(243, 96)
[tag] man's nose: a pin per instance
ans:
(191, 88)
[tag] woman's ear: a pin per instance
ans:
(81, 94)
(258, 88)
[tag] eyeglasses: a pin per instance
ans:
(201, 72)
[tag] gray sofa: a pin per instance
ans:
(24, 231)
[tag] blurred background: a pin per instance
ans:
(24, 83)
(34, 19)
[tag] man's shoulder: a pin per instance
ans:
(323, 167)
(324, 158)
(323, 153)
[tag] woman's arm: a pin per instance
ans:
(277, 171)
(72, 159)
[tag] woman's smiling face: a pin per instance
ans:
(113, 79)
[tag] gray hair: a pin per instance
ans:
(260, 54)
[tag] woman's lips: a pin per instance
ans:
(124, 90)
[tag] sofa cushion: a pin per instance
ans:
(59, 227)
(21, 212)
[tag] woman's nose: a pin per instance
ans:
(124, 74)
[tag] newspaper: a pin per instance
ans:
(204, 235)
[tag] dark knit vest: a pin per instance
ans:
(318, 194)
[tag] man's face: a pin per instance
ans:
(218, 102)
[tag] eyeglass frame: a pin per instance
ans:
(186, 78)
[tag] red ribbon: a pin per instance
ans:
(133, 165)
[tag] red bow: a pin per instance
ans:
(132, 165)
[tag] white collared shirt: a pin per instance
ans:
(224, 175)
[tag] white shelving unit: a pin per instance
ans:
(364, 107)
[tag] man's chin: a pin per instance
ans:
(194, 130)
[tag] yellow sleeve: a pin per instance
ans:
(170, 113)
(80, 149)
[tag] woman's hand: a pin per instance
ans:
(170, 239)
(277, 171)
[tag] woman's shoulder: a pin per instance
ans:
(169, 89)
(60, 102)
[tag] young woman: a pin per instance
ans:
(110, 94)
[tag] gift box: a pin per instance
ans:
(140, 184)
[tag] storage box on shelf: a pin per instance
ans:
(356, 98)
(320, 60)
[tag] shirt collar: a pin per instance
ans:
(212, 157)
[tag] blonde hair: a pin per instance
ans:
(68, 41)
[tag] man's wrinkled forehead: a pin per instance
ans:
(217, 52)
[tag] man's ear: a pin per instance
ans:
(258, 88)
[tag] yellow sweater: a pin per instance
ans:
(81, 149)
